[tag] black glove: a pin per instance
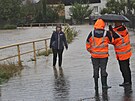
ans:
(66, 47)
(110, 28)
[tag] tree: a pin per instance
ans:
(51, 15)
(105, 11)
(122, 8)
(44, 9)
(132, 4)
(10, 10)
(79, 12)
(113, 6)
(28, 12)
(45, 13)
(60, 9)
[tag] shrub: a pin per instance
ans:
(70, 33)
(45, 53)
(8, 70)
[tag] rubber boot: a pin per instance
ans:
(128, 89)
(104, 83)
(96, 86)
(125, 84)
(105, 94)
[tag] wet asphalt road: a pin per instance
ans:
(74, 82)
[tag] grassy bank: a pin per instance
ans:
(7, 71)
(70, 34)
(45, 53)
(8, 26)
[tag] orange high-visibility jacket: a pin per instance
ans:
(98, 47)
(97, 41)
(122, 43)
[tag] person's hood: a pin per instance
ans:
(121, 30)
(99, 24)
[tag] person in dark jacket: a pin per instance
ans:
(57, 43)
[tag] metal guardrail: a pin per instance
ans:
(17, 45)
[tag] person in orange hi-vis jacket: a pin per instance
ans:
(97, 44)
(123, 51)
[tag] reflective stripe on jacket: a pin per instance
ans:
(122, 44)
(98, 47)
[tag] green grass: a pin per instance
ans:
(45, 53)
(8, 70)
(8, 26)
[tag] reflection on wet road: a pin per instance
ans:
(61, 86)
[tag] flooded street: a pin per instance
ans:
(72, 82)
(8, 37)
(24, 34)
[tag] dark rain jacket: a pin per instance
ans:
(58, 41)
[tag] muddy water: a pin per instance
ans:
(19, 35)
(74, 82)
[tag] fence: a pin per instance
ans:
(24, 43)
(40, 24)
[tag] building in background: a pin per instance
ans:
(97, 6)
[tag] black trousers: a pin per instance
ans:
(58, 52)
(125, 70)
(99, 63)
